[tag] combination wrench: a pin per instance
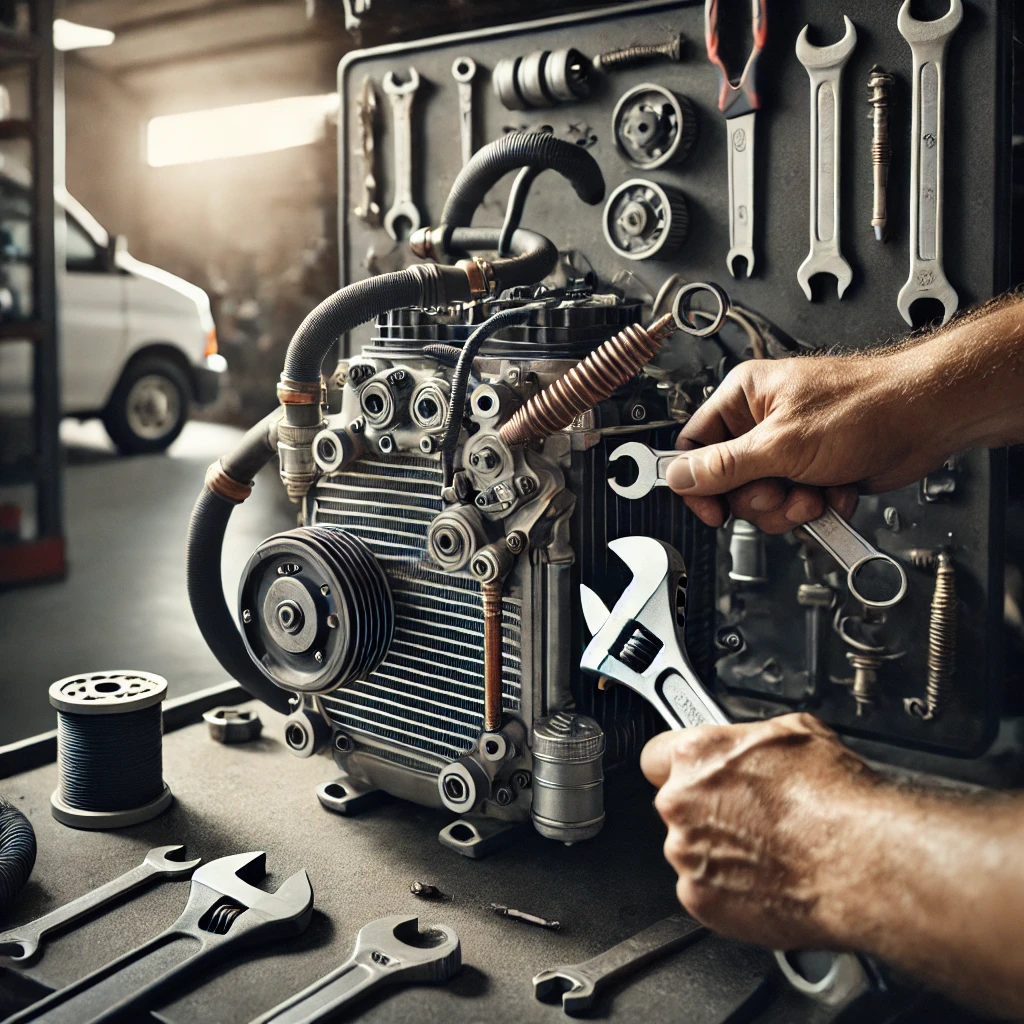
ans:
(389, 951)
(463, 71)
(928, 41)
(873, 577)
(824, 66)
(580, 984)
(20, 944)
(401, 97)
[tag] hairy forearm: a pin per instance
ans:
(934, 885)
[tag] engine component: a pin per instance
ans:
(316, 609)
(17, 856)
(568, 777)
(641, 54)
(880, 86)
(645, 221)
(747, 551)
(233, 725)
(543, 78)
(109, 749)
(653, 126)
(463, 784)
(333, 449)
(384, 400)
(588, 383)
(429, 404)
(941, 643)
(455, 536)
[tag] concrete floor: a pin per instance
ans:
(124, 603)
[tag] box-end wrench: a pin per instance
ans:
(401, 97)
(20, 944)
(579, 985)
(928, 41)
(224, 912)
(824, 66)
(463, 71)
(389, 951)
(873, 577)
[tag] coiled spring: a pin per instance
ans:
(17, 852)
(941, 644)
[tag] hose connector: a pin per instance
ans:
(480, 275)
(224, 486)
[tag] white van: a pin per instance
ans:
(137, 344)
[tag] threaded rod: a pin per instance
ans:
(491, 595)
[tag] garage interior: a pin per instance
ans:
(209, 168)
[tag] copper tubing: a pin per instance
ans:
(491, 595)
(588, 383)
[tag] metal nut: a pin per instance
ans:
(230, 725)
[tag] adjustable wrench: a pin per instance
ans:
(873, 577)
(223, 912)
(401, 97)
(463, 70)
(22, 943)
(824, 65)
(928, 41)
(580, 984)
(389, 951)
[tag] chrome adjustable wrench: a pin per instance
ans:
(22, 943)
(824, 66)
(401, 97)
(873, 577)
(389, 951)
(463, 71)
(928, 41)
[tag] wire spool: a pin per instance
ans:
(645, 221)
(109, 749)
(653, 126)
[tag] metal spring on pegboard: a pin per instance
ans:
(588, 383)
(941, 644)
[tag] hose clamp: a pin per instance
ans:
(480, 275)
(226, 487)
(301, 392)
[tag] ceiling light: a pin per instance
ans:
(67, 35)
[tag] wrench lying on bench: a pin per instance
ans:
(389, 951)
(22, 943)
(580, 984)
(224, 912)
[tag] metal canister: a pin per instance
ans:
(568, 777)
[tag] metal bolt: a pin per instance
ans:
(318, 657)
(247, 616)
(481, 500)
(325, 590)
(513, 376)
(526, 484)
(730, 639)
(516, 541)
(426, 444)
(638, 413)
(892, 519)
(386, 444)
(333, 621)
(522, 779)
(503, 796)
(342, 742)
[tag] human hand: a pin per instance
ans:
(831, 425)
(756, 826)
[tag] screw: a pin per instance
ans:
(503, 796)
(333, 621)
(516, 541)
(635, 56)
(318, 657)
(247, 616)
(513, 376)
(521, 779)
(527, 485)
(638, 413)
(731, 639)
(325, 590)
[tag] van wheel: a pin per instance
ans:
(148, 408)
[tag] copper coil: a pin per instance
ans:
(491, 599)
(588, 383)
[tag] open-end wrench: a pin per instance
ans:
(389, 951)
(22, 943)
(928, 41)
(824, 65)
(578, 985)
(873, 577)
(639, 643)
(401, 97)
(224, 912)
(463, 70)
(368, 208)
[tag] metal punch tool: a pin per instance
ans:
(874, 578)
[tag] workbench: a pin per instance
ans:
(258, 796)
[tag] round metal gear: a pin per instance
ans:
(645, 221)
(653, 126)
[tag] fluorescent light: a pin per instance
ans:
(67, 35)
(238, 131)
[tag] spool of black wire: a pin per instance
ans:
(109, 749)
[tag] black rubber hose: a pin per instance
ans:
(521, 149)
(17, 852)
(460, 381)
(516, 205)
(533, 255)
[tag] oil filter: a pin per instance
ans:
(109, 749)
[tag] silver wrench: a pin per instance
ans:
(579, 984)
(401, 97)
(389, 951)
(22, 943)
(928, 41)
(824, 65)
(873, 577)
(463, 71)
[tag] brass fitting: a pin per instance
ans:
(480, 275)
(301, 392)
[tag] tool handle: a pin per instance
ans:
(684, 703)
(660, 939)
(323, 999)
(739, 96)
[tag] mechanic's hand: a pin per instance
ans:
(754, 816)
(829, 424)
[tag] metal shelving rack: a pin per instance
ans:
(43, 557)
